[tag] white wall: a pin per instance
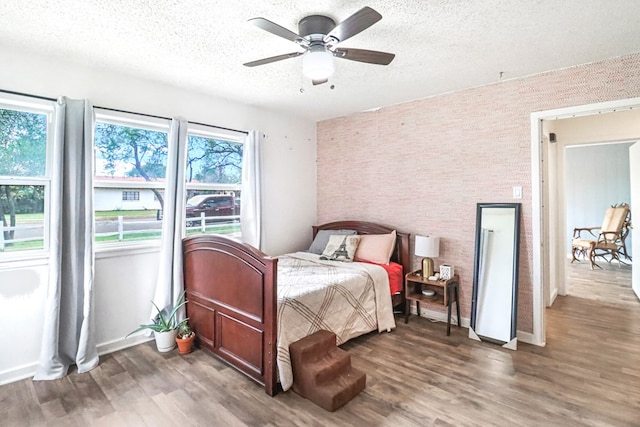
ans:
(22, 296)
(124, 279)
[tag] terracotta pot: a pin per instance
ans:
(184, 344)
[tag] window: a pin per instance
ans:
(214, 180)
(134, 195)
(129, 182)
(25, 147)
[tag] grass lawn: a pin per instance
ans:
(25, 246)
(106, 215)
(38, 218)
(137, 214)
(31, 218)
(128, 237)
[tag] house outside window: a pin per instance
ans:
(26, 141)
(129, 181)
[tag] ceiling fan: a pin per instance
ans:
(319, 36)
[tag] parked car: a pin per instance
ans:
(212, 205)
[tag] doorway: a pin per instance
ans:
(596, 176)
(549, 219)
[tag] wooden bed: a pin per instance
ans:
(232, 292)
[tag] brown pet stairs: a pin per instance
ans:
(323, 373)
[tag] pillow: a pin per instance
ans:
(322, 238)
(341, 248)
(376, 248)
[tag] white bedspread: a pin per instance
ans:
(349, 299)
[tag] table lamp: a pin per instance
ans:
(427, 247)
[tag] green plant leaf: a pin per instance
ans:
(164, 323)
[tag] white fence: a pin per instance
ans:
(4, 242)
(127, 230)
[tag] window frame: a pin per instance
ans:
(45, 106)
(140, 121)
(28, 104)
(212, 132)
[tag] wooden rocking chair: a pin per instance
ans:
(610, 240)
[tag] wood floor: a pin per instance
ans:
(587, 375)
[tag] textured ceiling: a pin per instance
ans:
(440, 45)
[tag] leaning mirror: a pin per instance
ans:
(495, 274)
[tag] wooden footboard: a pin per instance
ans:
(231, 289)
(232, 292)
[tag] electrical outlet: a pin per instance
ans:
(517, 192)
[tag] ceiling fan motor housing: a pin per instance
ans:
(315, 24)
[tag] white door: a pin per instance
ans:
(634, 175)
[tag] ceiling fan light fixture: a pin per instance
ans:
(317, 63)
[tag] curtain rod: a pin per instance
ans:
(169, 118)
(220, 127)
(45, 98)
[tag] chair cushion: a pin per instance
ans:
(586, 244)
(582, 243)
(614, 218)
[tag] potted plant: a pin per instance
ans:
(165, 327)
(185, 337)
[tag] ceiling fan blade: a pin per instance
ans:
(363, 55)
(272, 59)
(359, 21)
(319, 82)
(276, 29)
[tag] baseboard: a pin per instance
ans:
(525, 337)
(553, 296)
(440, 317)
(122, 343)
(529, 338)
(28, 370)
(18, 373)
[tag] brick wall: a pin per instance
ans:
(422, 166)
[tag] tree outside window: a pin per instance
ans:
(214, 168)
(131, 160)
(129, 181)
(23, 179)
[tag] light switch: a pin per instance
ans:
(517, 192)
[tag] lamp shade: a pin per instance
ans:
(426, 246)
(317, 64)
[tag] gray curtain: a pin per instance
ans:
(68, 334)
(250, 203)
(170, 281)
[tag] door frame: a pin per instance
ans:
(634, 173)
(546, 219)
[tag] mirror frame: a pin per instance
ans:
(516, 257)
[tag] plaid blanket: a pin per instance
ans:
(348, 299)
